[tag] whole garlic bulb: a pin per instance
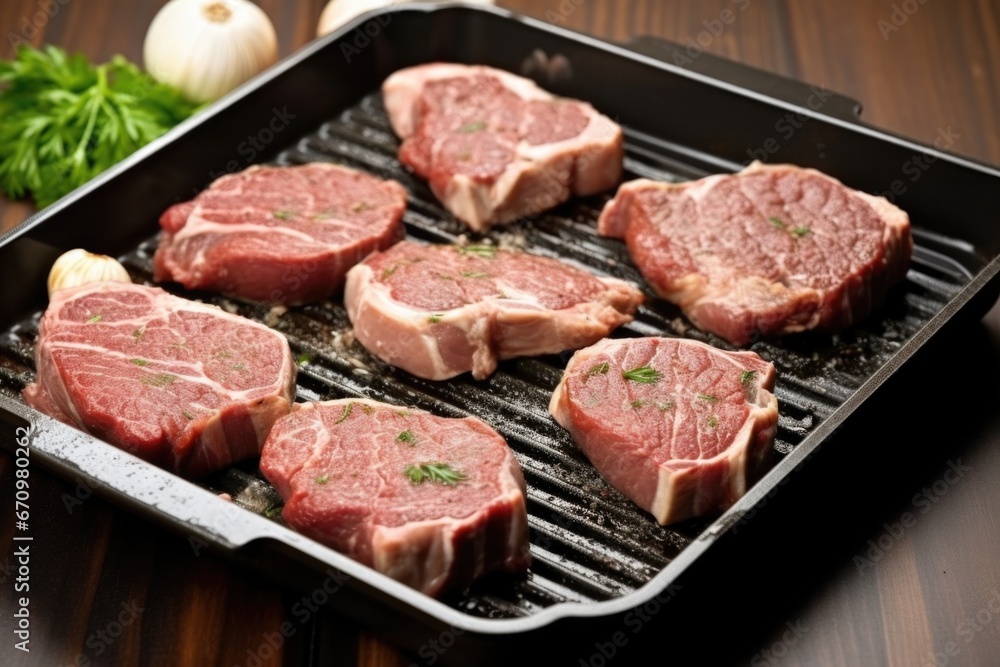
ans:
(79, 267)
(338, 12)
(205, 48)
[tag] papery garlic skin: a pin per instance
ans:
(338, 12)
(79, 267)
(205, 48)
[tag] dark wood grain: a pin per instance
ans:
(940, 70)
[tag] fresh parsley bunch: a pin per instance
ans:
(64, 120)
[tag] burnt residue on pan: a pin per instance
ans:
(589, 542)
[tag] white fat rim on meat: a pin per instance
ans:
(475, 204)
(736, 452)
(473, 318)
(440, 530)
(159, 312)
(402, 89)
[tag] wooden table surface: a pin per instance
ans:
(885, 552)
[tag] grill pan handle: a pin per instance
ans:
(758, 80)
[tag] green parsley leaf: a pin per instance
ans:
(643, 375)
(484, 251)
(158, 380)
(345, 414)
(65, 120)
(441, 473)
(599, 369)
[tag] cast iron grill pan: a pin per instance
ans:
(589, 542)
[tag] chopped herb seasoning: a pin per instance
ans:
(445, 276)
(663, 406)
(485, 251)
(407, 437)
(636, 404)
(799, 232)
(403, 413)
(442, 473)
(223, 354)
(708, 397)
(474, 274)
(599, 369)
(240, 367)
(365, 408)
(435, 318)
(273, 511)
(322, 479)
(158, 380)
(322, 215)
(345, 414)
(361, 206)
(473, 127)
(138, 334)
(304, 359)
(643, 375)
(284, 215)
(188, 415)
(777, 222)
(139, 362)
(712, 422)
(95, 318)
(746, 377)
(389, 271)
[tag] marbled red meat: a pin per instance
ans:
(284, 235)
(439, 310)
(768, 251)
(358, 475)
(184, 385)
(680, 427)
(495, 147)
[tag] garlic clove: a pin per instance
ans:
(79, 267)
(205, 48)
(338, 12)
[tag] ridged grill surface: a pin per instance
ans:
(588, 541)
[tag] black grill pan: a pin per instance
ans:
(595, 554)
